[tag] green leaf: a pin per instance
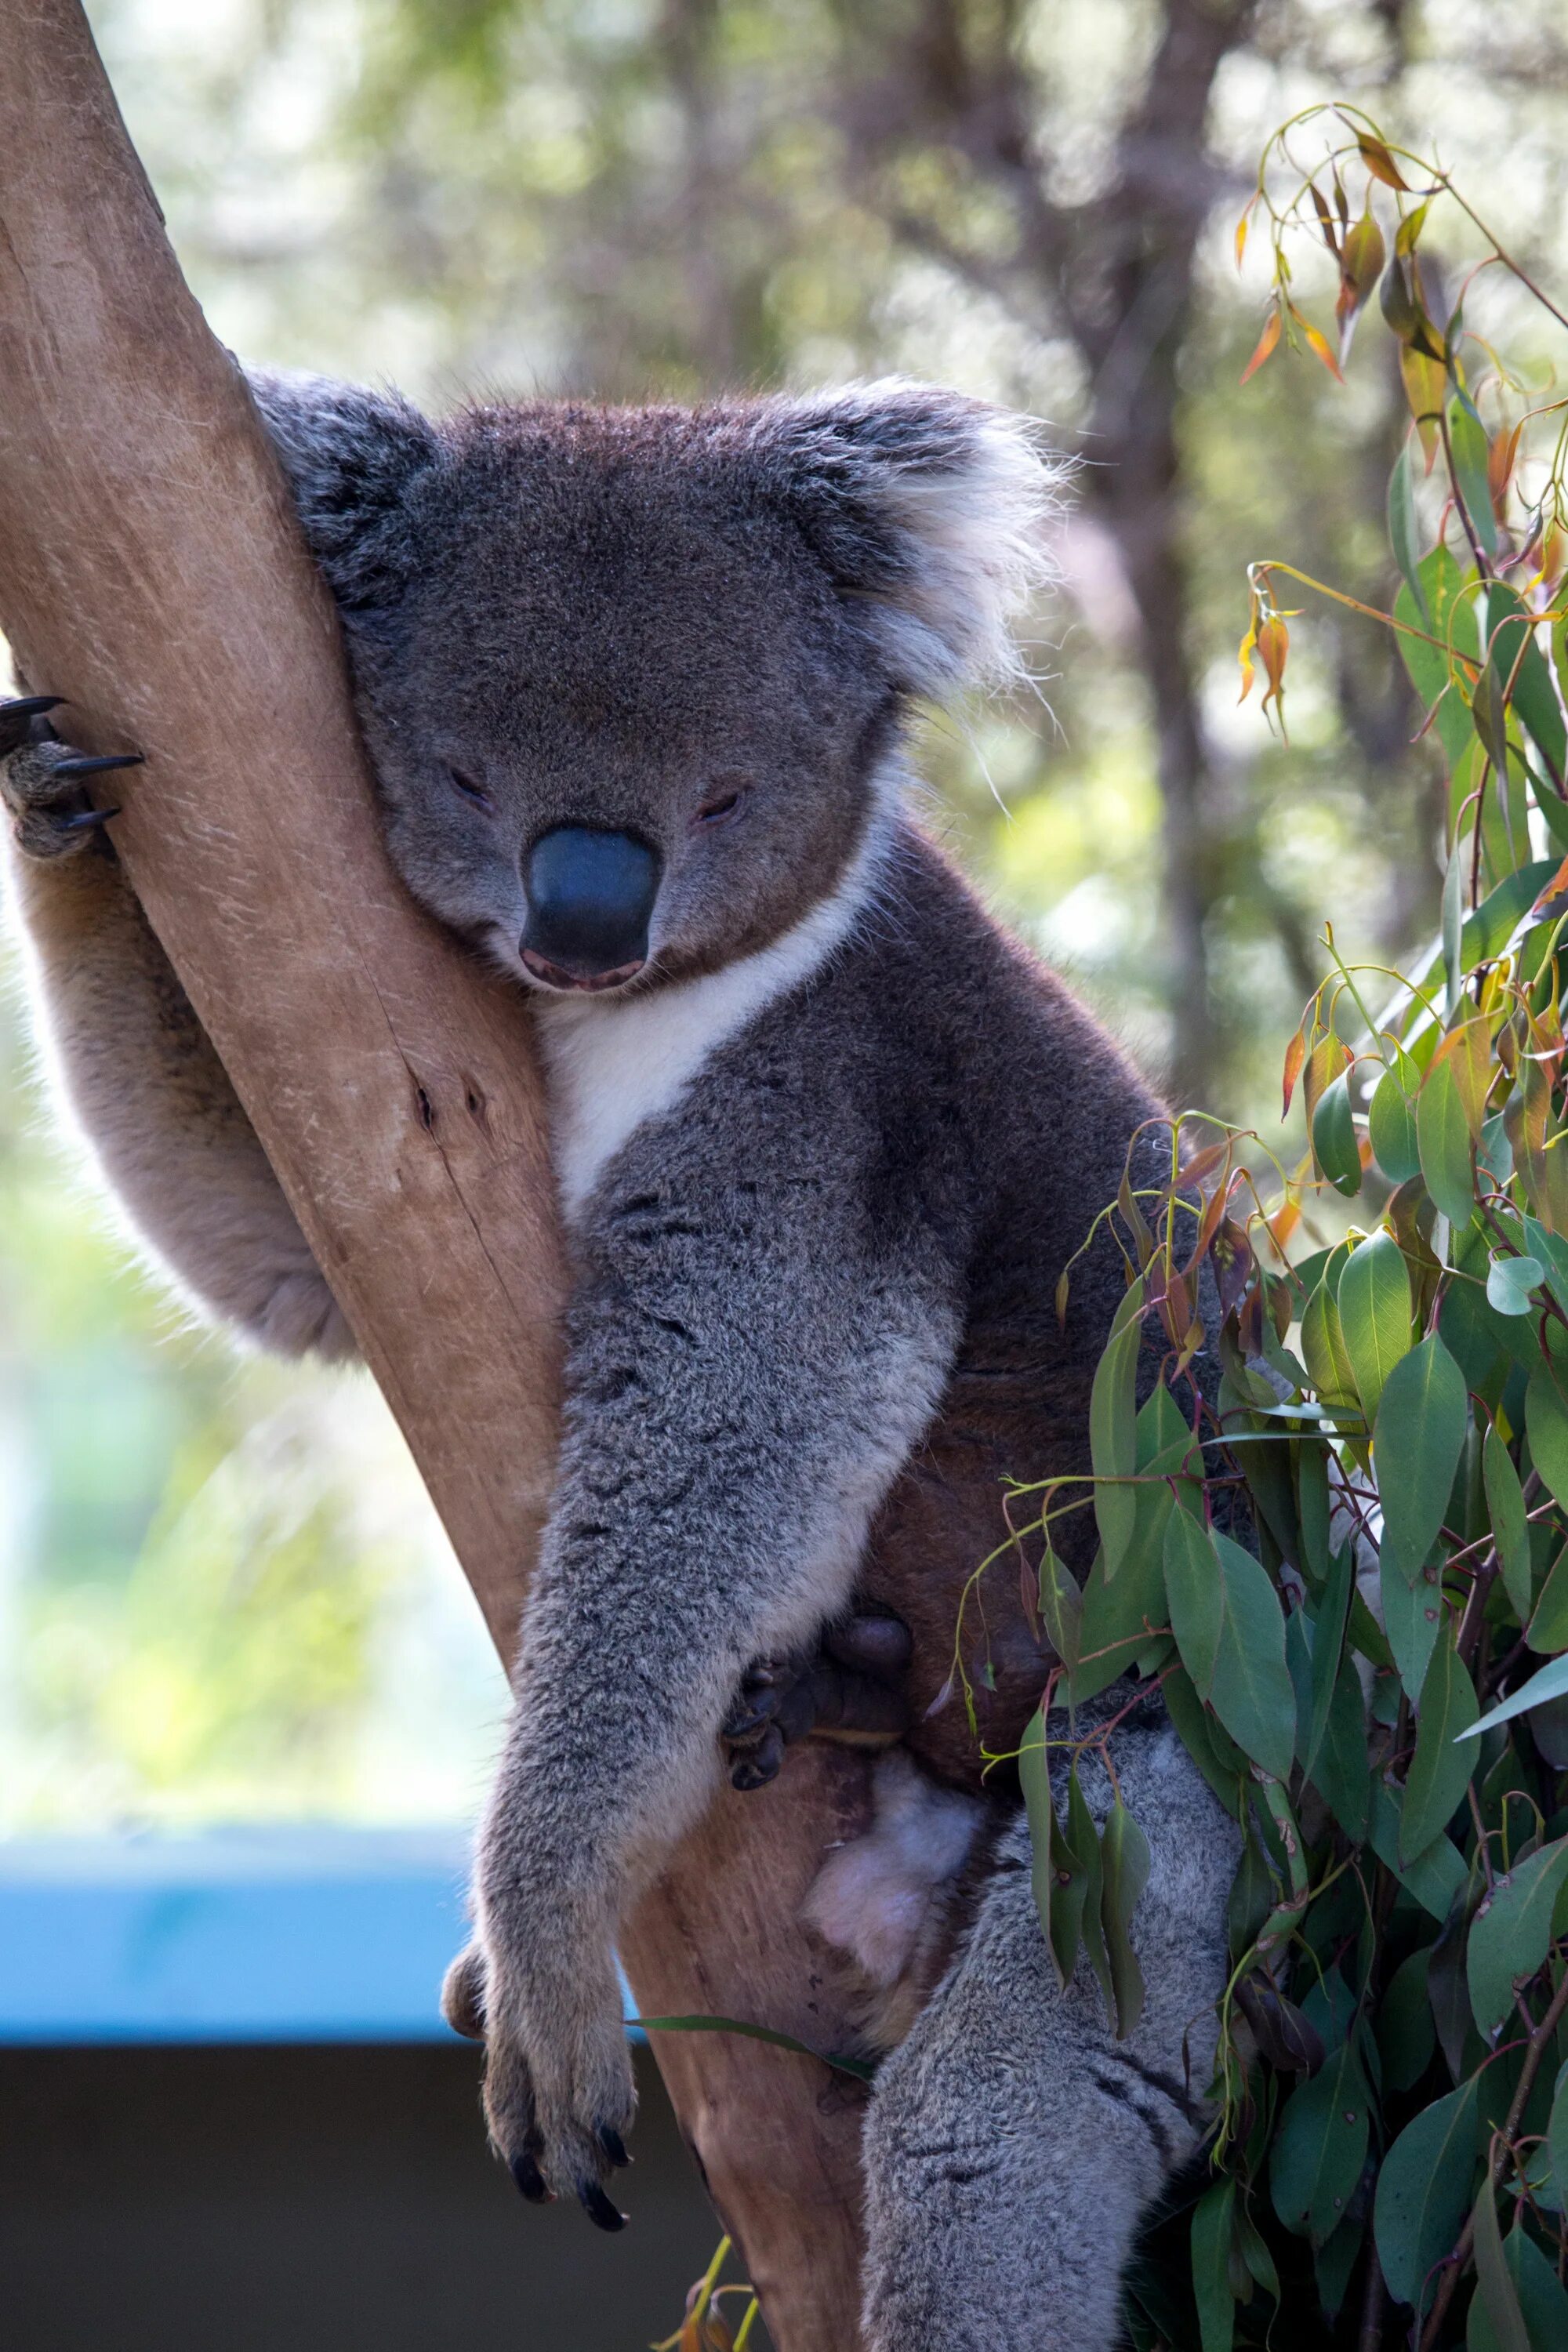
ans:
(1557, 2129)
(1505, 1509)
(1391, 1122)
(1402, 534)
(1510, 1280)
(1323, 1346)
(1320, 2145)
(1117, 1616)
(1194, 1596)
(1533, 700)
(1439, 1770)
(1083, 1842)
(1406, 2035)
(1467, 442)
(1328, 1645)
(1443, 1138)
(1217, 1757)
(1212, 2218)
(1435, 1875)
(1546, 1420)
(1374, 1314)
(1035, 1780)
(1341, 1774)
(1550, 1683)
(1547, 1628)
(1541, 2299)
(1420, 1429)
(1125, 1863)
(1495, 2288)
(1424, 2191)
(1334, 1145)
(1226, 1619)
(1411, 1616)
(1062, 1607)
(1114, 1430)
(1512, 1931)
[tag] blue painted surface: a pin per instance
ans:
(265, 1935)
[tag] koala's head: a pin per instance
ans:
(632, 680)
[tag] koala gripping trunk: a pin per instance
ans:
(151, 572)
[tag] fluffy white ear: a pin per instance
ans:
(932, 513)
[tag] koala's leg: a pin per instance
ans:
(1012, 2145)
(134, 1064)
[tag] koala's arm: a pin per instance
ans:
(744, 1382)
(139, 1074)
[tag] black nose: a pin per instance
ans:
(590, 896)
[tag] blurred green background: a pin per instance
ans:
(221, 1593)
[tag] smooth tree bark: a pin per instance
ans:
(151, 573)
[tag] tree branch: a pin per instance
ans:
(151, 571)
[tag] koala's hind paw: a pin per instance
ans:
(42, 781)
(851, 1692)
(556, 2131)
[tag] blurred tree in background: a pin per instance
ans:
(1034, 199)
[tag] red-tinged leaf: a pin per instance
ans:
(1295, 1054)
(1318, 343)
(1325, 219)
(1267, 343)
(1328, 1057)
(1468, 1052)
(1501, 460)
(1381, 163)
(1233, 1264)
(1361, 267)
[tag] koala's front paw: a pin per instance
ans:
(42, 781)
(559, 2097)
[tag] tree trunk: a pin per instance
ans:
(152, 571)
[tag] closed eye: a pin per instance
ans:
(465, 785)
(714, 812)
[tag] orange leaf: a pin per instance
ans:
(1266, 344)
(1381, 163)
(1242, 226)
(1295, 1054)
(1320, 344)
(1248, 647)
(1273, 645)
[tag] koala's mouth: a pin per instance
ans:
(556, 976)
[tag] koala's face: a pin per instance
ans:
(623, 728)
(632, 680)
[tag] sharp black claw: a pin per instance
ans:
(83, 818)
(529, 2179)
(85, 767)
(599, 2207)
(30, 705)
(615, 2147)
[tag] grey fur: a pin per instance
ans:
(812, 1321)
(1012, 2145)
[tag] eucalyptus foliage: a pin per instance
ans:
(1376, 1682)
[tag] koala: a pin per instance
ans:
(636, 686)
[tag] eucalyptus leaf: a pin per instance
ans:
(1374, 1314)
(1512, 1931)
(1420, 1428)
(1439, 1770)
(1424, 2191)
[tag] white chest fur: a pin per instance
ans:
(614, 1062)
